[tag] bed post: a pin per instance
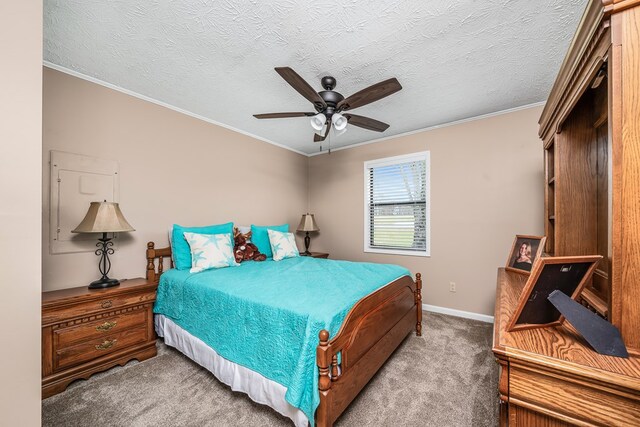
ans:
(151, 268)
(324, 381)
(418, 295)
(153, 273)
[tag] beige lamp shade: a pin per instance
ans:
(103, 217)
(308, 223)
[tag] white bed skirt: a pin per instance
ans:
(260, 389)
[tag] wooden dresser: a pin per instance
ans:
(590, 128)
(551, 377)
(87, 331)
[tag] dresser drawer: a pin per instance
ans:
(107, 326)
(98, 347)
(108, 303)
(552, 395)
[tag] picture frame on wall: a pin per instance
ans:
(568, 274)
(524, 252)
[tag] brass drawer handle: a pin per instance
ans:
(106, 326)
(106, 344)
(106, 304)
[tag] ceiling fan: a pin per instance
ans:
(330, 105)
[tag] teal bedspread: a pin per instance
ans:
(266, 316)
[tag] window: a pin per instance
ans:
(396, 205)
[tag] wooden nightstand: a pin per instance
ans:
(316, 255)
(87, 331)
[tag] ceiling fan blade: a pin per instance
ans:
(366, 123)
(370, 94)
(299, 84)
(282, 115)
(320, 138)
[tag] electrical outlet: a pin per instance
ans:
(452, 286)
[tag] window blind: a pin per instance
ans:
(397, 205)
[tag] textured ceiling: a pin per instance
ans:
(455, 59)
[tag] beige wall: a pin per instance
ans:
(20, 169)
(173, 168)
(486, 186)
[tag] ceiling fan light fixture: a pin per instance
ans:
(341, 132)
(318, 121)
(339, 121)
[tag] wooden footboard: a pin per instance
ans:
(372, 330)
(370, 333)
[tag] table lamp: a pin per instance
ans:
(307, 224)
(103, 217)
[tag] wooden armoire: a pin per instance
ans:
(590, 128)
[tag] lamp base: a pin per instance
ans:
(105, 282)
(307, 240)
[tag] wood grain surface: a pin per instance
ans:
(575, 184)
(523, 417)
(560, 347)
(592, 206)
(630, 197)
(554, 373)
(87, 331)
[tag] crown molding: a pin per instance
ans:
(162, 104)
(259, 138)
(615, 6)
(430, 128)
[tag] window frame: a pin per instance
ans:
(388, 161)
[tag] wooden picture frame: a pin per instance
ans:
(568, 274)
(536, 247)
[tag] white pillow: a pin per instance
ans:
(210, 251)
(283, 245)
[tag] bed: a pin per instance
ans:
(196, 314)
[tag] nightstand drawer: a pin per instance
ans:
(65, 337)
(107, 303)
(89, 350)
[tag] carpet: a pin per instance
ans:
(447, 377)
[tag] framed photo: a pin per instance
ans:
(567, 274)
(524, 252)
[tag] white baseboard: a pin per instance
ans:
(458, 313)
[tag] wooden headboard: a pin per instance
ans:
(153, 272)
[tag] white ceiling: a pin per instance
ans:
(455, 59)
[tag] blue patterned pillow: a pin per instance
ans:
(210, 251)
(180, 248)
(283, 245)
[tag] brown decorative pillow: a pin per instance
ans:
(243, 250)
